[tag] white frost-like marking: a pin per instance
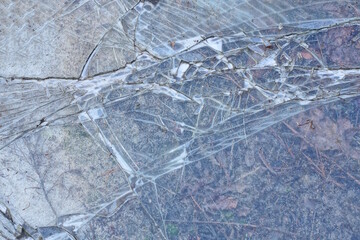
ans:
(85, 71)
(124, 165)
(337, 74)
(198, 99)
(215, 43)
(170, 92)
(189, 43)
(84, 117)
(173, 71)
(139, 7)
(2, 208)
(97, 113)
(269, 61)
(77, 221)
(319, 23)
(174, 163)
(256, 49)
(182, 69)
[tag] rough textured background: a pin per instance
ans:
(179, 119)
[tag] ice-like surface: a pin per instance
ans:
(179, 119)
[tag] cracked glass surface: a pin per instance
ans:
(179, 119)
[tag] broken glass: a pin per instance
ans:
(179, 119)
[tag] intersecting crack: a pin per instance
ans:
(185, 120)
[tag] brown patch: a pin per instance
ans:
(224, 203)
(172, 44)
(306, 55)
(326, 133)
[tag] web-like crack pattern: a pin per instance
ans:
(179, 119)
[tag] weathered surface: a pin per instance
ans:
(180, 120)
